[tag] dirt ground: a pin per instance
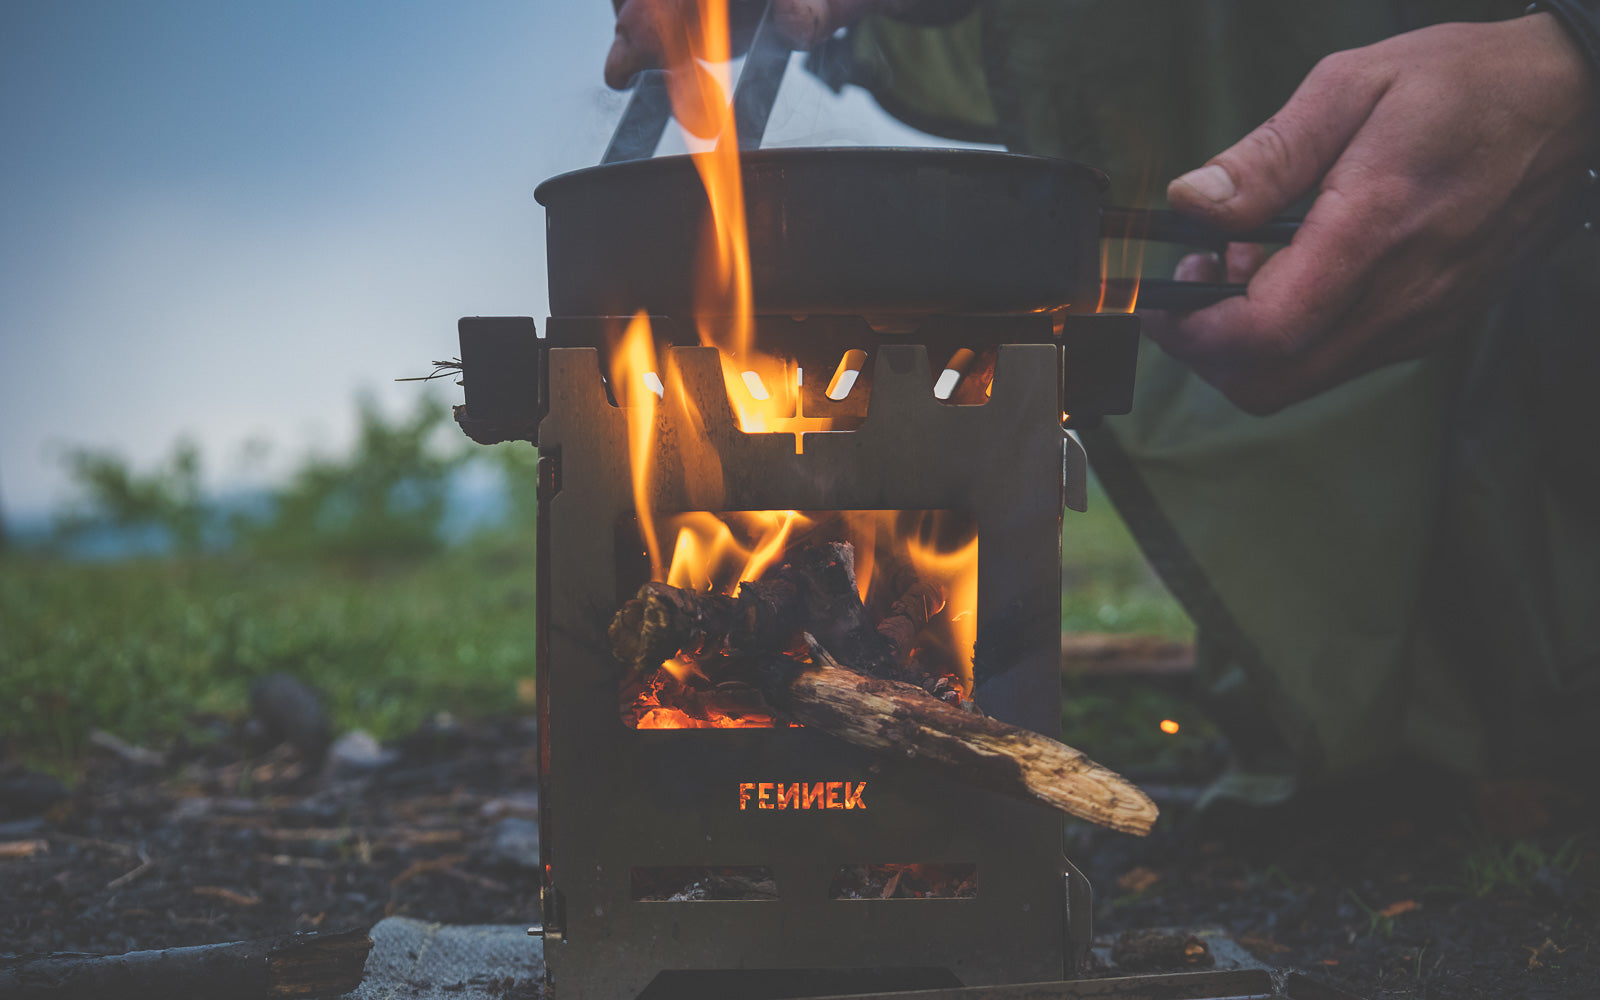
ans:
(1386, 892)
(213, 850)
(1388, 888)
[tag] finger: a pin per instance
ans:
(1299, 293)
(805, 22)
(638, 44)
(1267, 389)
(1197, 267)
(1261, 174)
(698, 101)
(808, 22)
(1244, 260)
(1203, 267)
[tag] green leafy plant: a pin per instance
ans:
(168, 498)
(1493, 866)
(385, 499)
(1377, 921)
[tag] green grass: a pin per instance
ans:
(1106, 584)
(140, 647)
(1493, 866)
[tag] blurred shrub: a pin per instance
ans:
(518, 463)
(167, 500)
(386, 498)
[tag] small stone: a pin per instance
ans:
(514, 843)
(1556, 884)
(28, 793)
(521, 804)
(357, 752)
(285, 709)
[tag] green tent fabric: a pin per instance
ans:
(1407, 564)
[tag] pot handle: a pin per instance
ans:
(1167, 226)
(1170, 295)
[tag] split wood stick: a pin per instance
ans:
(298, 965)
(898, 719)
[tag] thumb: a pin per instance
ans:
(1263, 173)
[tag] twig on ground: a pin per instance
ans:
(142, 756)
(145, 864)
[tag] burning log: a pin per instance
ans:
(752, 636)
(300, 965)
(815, 591)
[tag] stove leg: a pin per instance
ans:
(1080, 918)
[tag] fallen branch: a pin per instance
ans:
(145, 864)
(302, 965)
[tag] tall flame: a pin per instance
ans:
(700, 95)
(763, 390)
(633, 370)
(722, 551)
(955, 570)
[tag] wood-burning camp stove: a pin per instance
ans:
(939, 322)
(619, 804)
(938, 318)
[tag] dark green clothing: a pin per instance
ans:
(1407, 563)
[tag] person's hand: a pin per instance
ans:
(646, 29)
(1439, 157)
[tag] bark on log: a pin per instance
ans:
(897, 719)
(300, 965)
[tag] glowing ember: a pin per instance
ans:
(1170, 727)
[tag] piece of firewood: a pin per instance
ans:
(815, 590)
(299, 965)
(751, 635)
(898, 719)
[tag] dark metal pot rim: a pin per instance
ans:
(907, 156)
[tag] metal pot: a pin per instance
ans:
(868, 231)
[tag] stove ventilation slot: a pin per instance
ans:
(704, 883)
(939, 880)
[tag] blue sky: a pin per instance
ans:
(224, 219)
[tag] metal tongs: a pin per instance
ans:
(645, 117)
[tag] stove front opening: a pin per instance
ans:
(896, 589)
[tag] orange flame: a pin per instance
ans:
(721, 552)
(631, 362)
(955, 570)
(763, 390)
(700, 98)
